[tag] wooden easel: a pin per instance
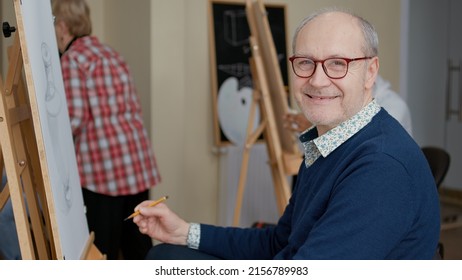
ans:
(28, 186)
(283, 152)
(20, 154)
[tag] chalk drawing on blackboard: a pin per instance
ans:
(54, 102)
(238, 70)
(233, 110)
(236, 28)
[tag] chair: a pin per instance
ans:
(439, 161)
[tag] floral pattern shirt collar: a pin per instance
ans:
(323, 145)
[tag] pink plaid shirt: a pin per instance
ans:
(113, 151)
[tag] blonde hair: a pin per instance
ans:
(75, 14)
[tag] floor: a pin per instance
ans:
(451, 233)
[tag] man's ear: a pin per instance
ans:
(372, 72)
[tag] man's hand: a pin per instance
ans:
(296, 122)
(162, 224)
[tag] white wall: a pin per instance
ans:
(428, 42)
(181, 105)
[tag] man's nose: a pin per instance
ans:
(319, 78)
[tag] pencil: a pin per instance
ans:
(154, 203)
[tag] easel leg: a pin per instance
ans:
(90, 252)
(250, 140)
(241, 187)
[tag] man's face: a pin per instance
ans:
(327, 102)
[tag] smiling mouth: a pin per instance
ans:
(322, 97)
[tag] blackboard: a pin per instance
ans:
(229, 56)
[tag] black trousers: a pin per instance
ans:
(113, 235)
(176, 252)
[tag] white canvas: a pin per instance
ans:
(40, 53)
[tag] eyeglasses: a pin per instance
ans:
(335, 68)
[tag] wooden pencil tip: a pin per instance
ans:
(131, 216)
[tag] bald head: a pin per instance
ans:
(336, 19)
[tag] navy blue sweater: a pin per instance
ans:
(374, 197)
